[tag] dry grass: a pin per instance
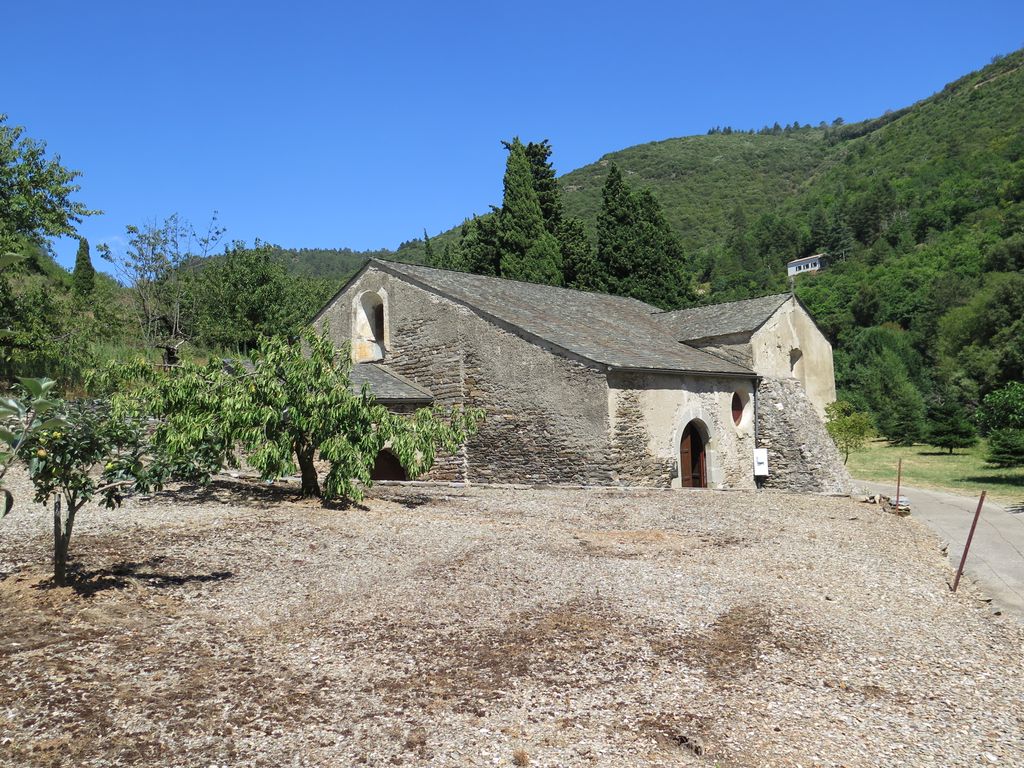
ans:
(964, 471)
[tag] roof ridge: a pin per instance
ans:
(722, 303)
(513, 280)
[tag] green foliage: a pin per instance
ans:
(1003, 408)
(529, 252)
(637, 253)
(50, 330)
(1002, 416)
(159, 266)
(882, 374)
(1006, 447)
(289, 405)
(35, 192)
(247, 293)
(544, 184)
(20, 418)
(950, 425)
(986, 335)
(904, 423)
(849, 428)
(580, 268)
(84, 276)
(89, 453)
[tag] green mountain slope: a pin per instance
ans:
(701, 180)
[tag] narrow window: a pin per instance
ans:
(737, 408)
(368, 329)
(378, 323)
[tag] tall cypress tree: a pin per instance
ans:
(83, 278)
(636, 249)
(544, 183)
(659, 277)
(479, 244)
(580, 268)
(528, 251)
(615, 231)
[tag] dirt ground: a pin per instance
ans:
(444, 626)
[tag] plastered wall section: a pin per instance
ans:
(547, 419)
(649, 413)
(788, 329)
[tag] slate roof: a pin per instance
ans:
(608, 330)
(387, 386)
(744, 316)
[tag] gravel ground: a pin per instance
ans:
(236, 626)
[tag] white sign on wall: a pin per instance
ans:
(760, 462)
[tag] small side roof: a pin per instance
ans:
(802, 259)
(744, 316)
(387, 386)
(609, 330)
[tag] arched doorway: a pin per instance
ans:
(388, 467)
(693, 472)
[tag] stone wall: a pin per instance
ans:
(547, 419)
(772, 350)
(649, 413)
(801, 455)
(635, 463)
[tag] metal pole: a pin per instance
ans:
(899, 480)
(967, 546)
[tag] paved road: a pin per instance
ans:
(996, 559)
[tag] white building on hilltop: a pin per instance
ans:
(806, 264)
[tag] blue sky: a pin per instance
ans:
(327, 124)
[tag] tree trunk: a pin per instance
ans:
(62, 540)
(310, 481)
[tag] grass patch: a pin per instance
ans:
(964, 471)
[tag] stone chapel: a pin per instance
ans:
(589, 389)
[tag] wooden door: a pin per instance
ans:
(692, 466)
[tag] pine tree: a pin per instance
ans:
(637, 252)
(479, 244)
(904, 421)
(428, 250)
(1006, 447)
(83, 279)
(580, 267)
(615, 230)
(544, 184)
(950, 426)
(529, 252)
(659, 277)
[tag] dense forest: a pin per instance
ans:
(920, 213)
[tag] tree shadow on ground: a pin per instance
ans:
(1005, 482)
(246, 491)
(228, 491)
(938, 453)
(409, 501)
(124, 574)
